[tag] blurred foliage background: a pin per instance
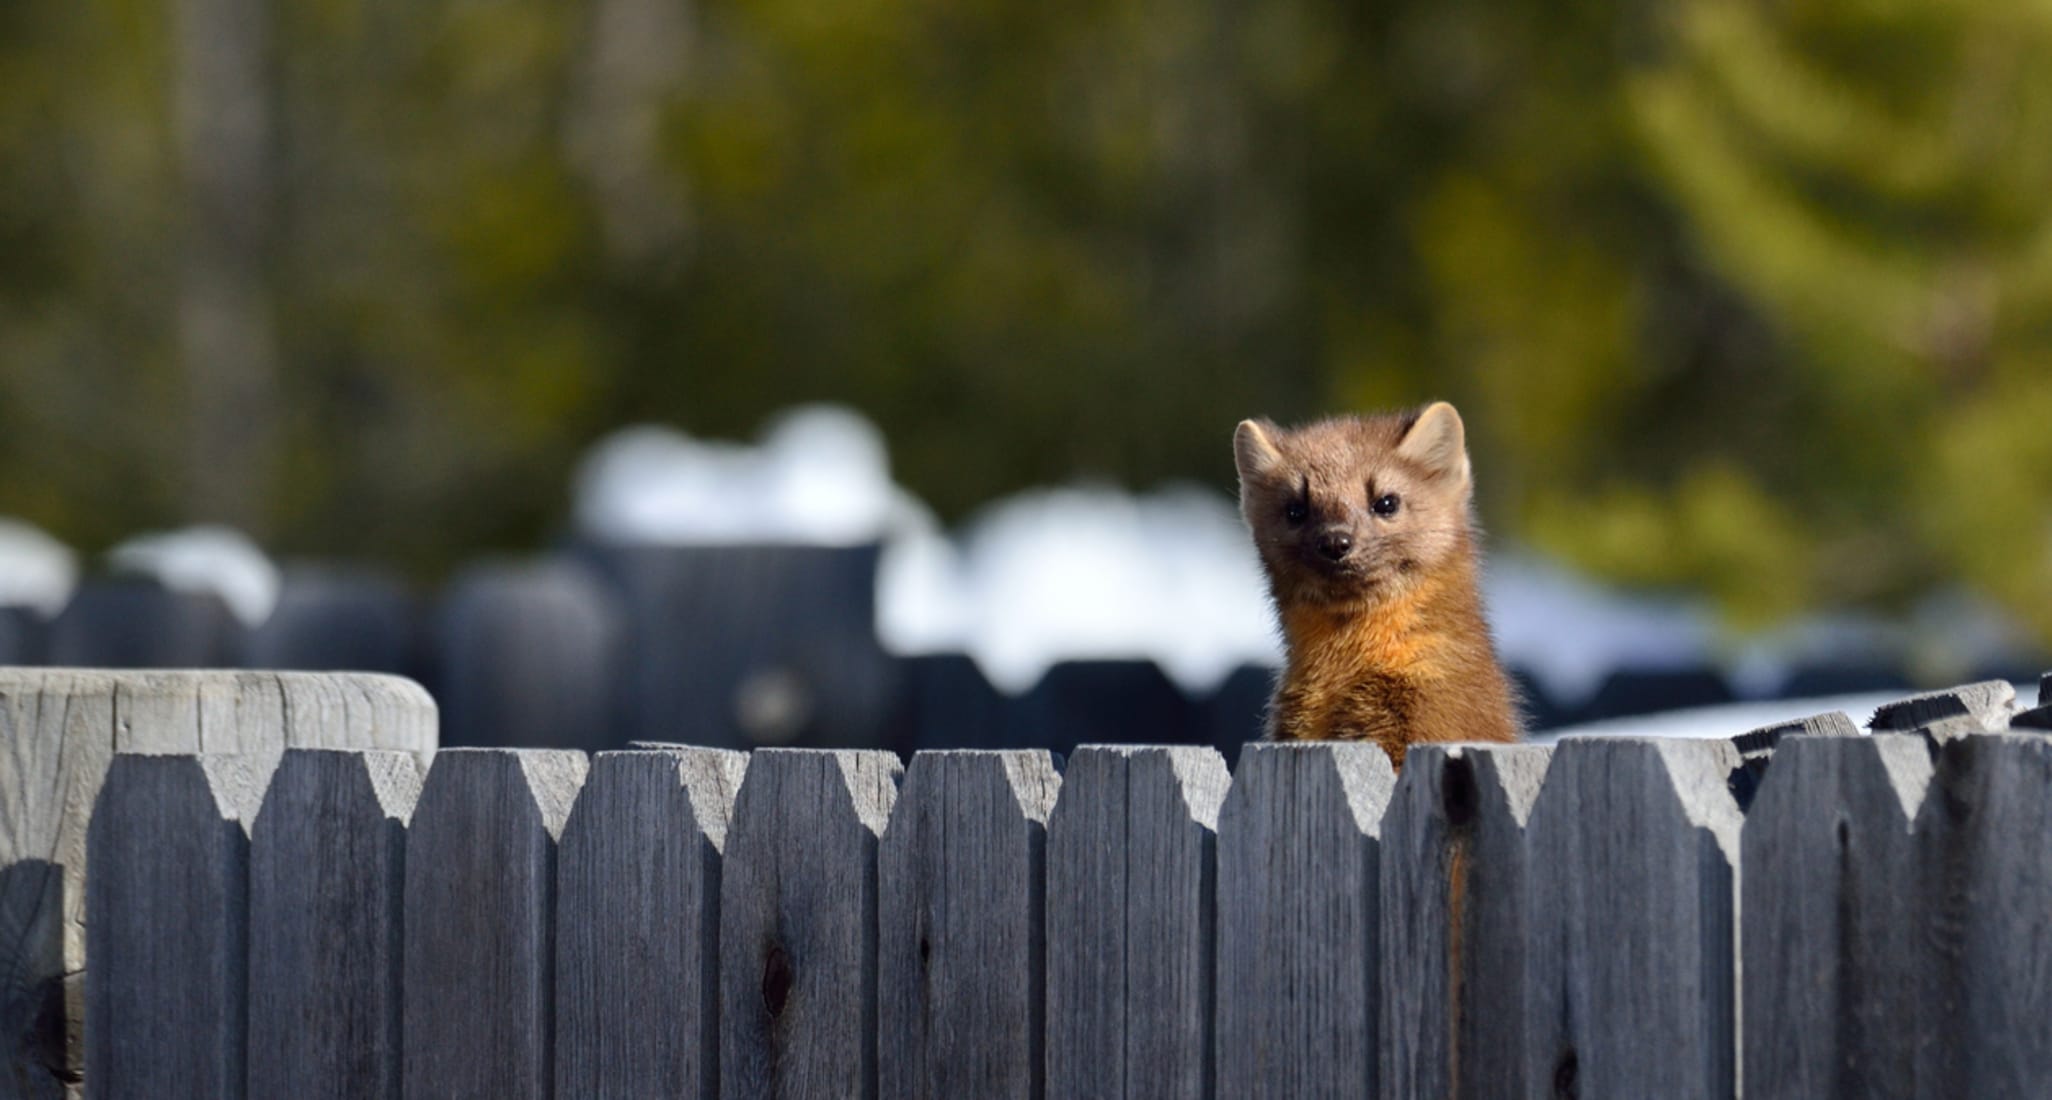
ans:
(1746, 298)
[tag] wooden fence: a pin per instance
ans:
(60, 729)
(1606, 918)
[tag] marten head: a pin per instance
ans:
(1355, 509)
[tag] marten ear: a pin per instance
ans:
(1437, 442)
(1254, 450)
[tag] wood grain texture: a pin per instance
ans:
(961, 951)
(166, 921)
(1756, 749)
(1985, 968)
(326, 903)
(1987, 705)
(798, 924)
(1298, 891)
(59, 729)
(56, 741)
(1454, 921)
(638, 920)
(1630, 976)
(1131, 886)
(480, 922)
(1830, 909)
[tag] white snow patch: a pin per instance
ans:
(36, 571)
(217, 560)
(820, 475)
(1076, 573)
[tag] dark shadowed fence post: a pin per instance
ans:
(326, 894)
(798, 924)
(1130, 922)
(961, 947)
(480, 922)
(638, 922)
(530, 654)
(1454, 922)
(1986, 877)
(1630, 978)
(1831, 909)
(166, 912)
(1297, 924)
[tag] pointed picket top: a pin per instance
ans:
(1836, 723)
(1034, 782)
(872, 782)
(1699, 771)
(711, 780)
(1988, 704)
(554, 777)
(237, 784)
(1907, 760)
(1202, 775)
(1519, 772)
(1365, 775)
(395, 779)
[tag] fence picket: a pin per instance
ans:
(326, 896)
(798, 912)
(166, 913)
(1130, 895)
(961, 944)
(480, 893)
(1297, 923)
(1829, 860)
(1629, 981)
(1985, 873)
(638, 919)
(1454, 920)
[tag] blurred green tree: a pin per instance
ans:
(1736, 298)
(1874, 180)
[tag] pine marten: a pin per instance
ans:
(1364, 526)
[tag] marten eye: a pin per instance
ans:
(1386, 505)
(1297, 512)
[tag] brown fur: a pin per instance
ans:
(1389, 641)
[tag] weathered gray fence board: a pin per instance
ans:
(961, 949)
(165, 929)
(1985, 706)
(798, 913)
(1130, 895)
(1629, 982)
(1453, 921)
(1297, 920)
(56, 740)
(326, 896)
(1986, 879)
(1830, 909)
(59, 728)
(638, 923)
(355, 711)
(480, 914)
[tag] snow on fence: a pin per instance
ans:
(1606, 918)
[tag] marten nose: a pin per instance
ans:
(1335, 544)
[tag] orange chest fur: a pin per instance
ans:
(1339, 649)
